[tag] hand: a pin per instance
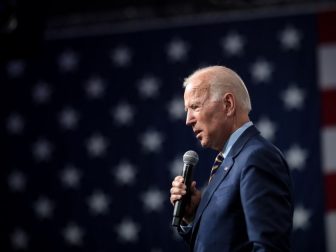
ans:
(178, 190)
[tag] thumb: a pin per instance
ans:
(193, 187)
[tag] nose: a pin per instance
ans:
(190, 120)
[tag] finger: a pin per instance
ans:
(178, 184)
(175, 198)
(177, 191)
(193, 187)
(179, 179)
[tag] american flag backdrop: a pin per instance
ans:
(93, 128)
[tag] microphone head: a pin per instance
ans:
(190, 157)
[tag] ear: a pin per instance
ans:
(229, 103)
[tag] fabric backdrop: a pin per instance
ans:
(93, 127)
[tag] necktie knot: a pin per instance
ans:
(218, 161)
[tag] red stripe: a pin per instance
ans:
(326, 24)
(330, 187)
(329, 107)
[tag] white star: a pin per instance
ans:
(149, 87)
(153, 200)
(73, 234)
(15, 123)
(41, 93)
(123, 114)
(96, 145)
(176, 108)
(121, 56)
(19, 239)
(70, 176)
(16, 181)
(290, 38)
(98, 203)
(261, 71)
(177, 50)
(296, 157)
(233, 44)
(16, 68)
(42, 149)
(68, 118)
(68, 61)
(176, 167)
(124, 173)
(151, 141)
(128, 231)
(301, 218)
(293, 97)
(95, 87)
(43, 208)
(267, 128)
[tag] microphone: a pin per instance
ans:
(190, 159)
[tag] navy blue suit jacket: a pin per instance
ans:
(247, 206)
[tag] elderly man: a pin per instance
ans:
(247, 204)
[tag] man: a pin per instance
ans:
(247, 204)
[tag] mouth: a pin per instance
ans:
(197, 133)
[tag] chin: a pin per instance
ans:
(205, 144)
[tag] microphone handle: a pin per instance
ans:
(179, 206)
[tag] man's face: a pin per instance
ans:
(206, 117)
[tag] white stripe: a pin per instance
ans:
(329, 149)
(330, 224)
(326, 65)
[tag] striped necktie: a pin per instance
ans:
(218, 161)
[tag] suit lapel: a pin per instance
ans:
(211, 188)
(222, 172)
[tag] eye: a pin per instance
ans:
(195, 107)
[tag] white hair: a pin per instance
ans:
(221, 80)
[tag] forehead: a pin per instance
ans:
(197, 84)
(195, 91)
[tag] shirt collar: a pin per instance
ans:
(234, 136)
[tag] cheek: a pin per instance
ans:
(207, 125)
(212, 125)
(203, 121)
